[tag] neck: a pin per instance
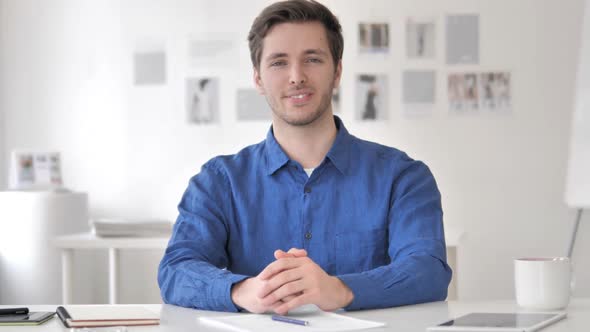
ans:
(309, 144)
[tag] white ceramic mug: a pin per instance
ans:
(543, 283)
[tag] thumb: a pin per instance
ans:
(281, 254)
(298, 252)
(292, 253)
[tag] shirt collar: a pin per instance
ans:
(275, 156)
(339, 153)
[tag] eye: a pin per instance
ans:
(278, 63)
(314, 60)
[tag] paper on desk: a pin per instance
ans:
(319, 321)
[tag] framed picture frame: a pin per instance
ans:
(35, 170)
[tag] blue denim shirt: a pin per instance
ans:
(368, 214)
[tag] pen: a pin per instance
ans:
(14, 311)
(289, 320)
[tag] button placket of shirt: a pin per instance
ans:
(306, 222)
(307, 197)
(297, 172)
(307, 188)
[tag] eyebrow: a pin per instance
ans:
(273, 56)
(316, 51)
(277, 55)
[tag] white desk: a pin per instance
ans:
(89, 241)
(415, 318)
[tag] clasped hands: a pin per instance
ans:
(289, 282)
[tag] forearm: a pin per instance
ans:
(414, 279)
(196, 284)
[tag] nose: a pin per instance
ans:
(297, 75)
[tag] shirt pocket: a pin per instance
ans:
(358, 251)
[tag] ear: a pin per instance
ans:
(258, 82)
(338, 74)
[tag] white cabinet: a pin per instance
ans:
(30, 269)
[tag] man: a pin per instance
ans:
(364, 221)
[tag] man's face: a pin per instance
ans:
(297, 74)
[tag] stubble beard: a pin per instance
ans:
(297, 121)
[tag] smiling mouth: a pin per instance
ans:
(300, 99)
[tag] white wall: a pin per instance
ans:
(68, 64)
(3, 178)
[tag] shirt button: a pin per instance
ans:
(308, 235)
(307, 190)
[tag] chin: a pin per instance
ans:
(300, 120)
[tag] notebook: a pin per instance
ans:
(31, 318)
(319, 321)
(496, 322)
(104, 315)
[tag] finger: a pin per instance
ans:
(298, 301)
(274, 307)
(278, 266)
(298, 252)
(286, 290)
(270, 308)
(277, 281)
(292, 253)
(280, 254)
(289, 298)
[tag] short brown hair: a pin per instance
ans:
(295, 11)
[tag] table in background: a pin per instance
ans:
(68, 243)
(414, 318)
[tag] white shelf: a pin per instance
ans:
(29, 221)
